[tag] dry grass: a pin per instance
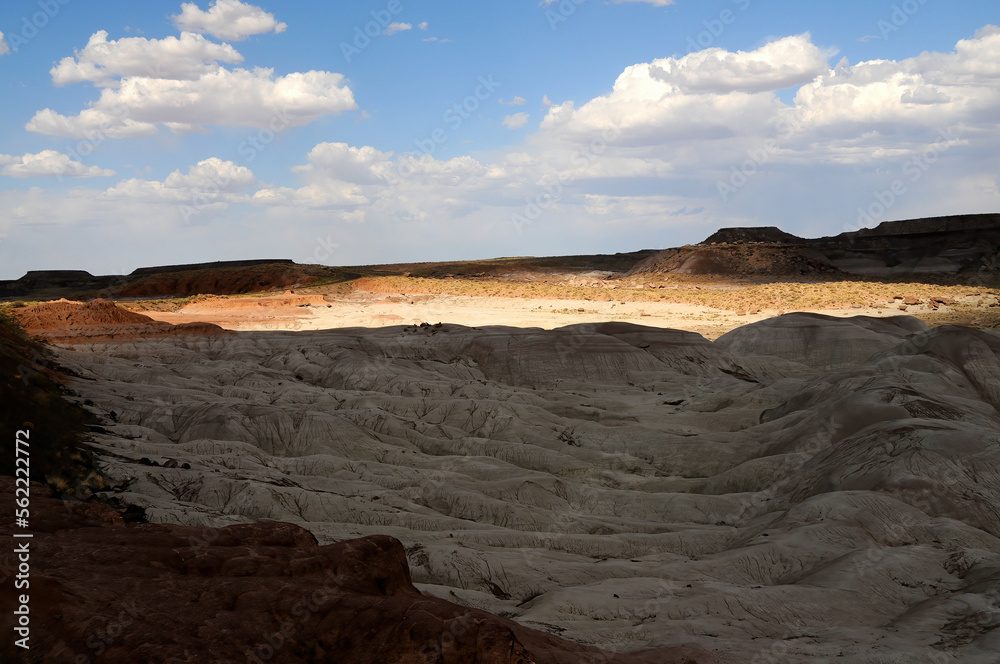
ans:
(717, 295)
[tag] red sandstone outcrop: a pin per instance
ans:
(64, 321)
(103, 590)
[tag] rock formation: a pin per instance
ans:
(99, 320)
(804, 489)
(105, 591)
(963, 244)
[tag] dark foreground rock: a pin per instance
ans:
(105, 591)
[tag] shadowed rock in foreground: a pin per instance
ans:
(808, 488)
(113, 593)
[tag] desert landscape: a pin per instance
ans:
(555, 332)
(760, 448)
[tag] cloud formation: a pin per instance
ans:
(49, 164)
(4, 49)
(238, 97)
(227, 19)
(395, 27)
(210, 182)
(104, 62)
(515, 121)
(779, 64)
(624, 169)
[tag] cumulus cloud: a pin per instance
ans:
(211, 181)
(341, 176)
(927, 91)
(180, 83)
(516, 101)
(706, 95)
(49, 164)
(227, 19)
(4, 49)
(393, 28)
(103, 62)
(336, 176)
(222, 97)
(345, 163)
(640, 162)
(515, 121)
(92, 123)
(779, 64)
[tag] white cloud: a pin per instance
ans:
(515, 121)
(211, 181)
(779, 64)
(437, 39)
(227, 19)
(49, 164)
(422, 25)
(393, 28)
(635, 167)
(103, 62)
(4, 49)
(516, 101)
(707, 95)
(222, 97)
(92, 123)
(344, 177)
(925, 92)
(340, 161)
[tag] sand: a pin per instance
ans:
(314, 312)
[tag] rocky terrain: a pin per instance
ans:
(98, 320)
(939, 248)
(958, 245)
(223, 277)
(106, 591)
(523, 481)
(805, 488)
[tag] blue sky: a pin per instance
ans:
(136, 134)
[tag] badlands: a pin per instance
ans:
(614, 477)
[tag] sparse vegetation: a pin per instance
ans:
(685, 290)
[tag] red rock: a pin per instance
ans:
(65, 321)
(267, 591)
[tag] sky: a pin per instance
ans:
(348, 133)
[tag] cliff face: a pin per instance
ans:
(967, 244)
